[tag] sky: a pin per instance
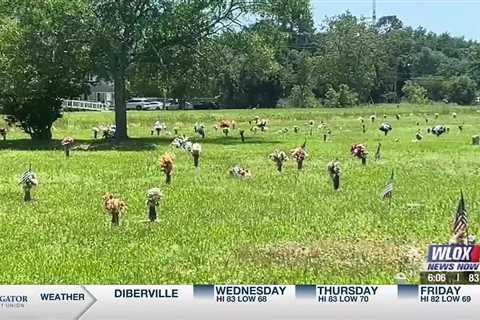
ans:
(457, 17)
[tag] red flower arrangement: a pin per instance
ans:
(67, 143)
(225, 124)
(299, 154)
(359, 151)
(240, 172)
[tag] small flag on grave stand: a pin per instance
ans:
(27, 176)
(388, 191)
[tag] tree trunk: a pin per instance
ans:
(120, 107)
(41, 135)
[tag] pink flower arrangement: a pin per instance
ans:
(359, 151)
(240, 172)
(225, 124)
(299, 154)
(67, 141)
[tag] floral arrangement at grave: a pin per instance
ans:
(226, 131)
(334, 170)
(296, 129)
(67, 144)
(115, 207)
(200, 130)
(167, 165)
(196, 152)
(418, 135)
(385, 128)
(299, 155)
(158, 127)
(262, 124)
(154, 196)
(311, 125)
(372, 118)
(182, 143)
(109, 132)
(256, 119)
(279, 158)
(28, 180)
(454, 115)
(359, 151)
(225, 124)
(439, 130)
(239, 172)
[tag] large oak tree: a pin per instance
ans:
(131, 32)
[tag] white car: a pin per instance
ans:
(137, 103)
(153, 105)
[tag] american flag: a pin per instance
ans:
(378, 154)
(461, 220)
(388, 191)
(26, 176)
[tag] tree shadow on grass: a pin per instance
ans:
(132, 144)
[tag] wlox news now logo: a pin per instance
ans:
(454, 253)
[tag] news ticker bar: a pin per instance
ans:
(242, 301)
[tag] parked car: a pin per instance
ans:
(138, 104)
(205, 105)
(174, 105)
(154, 105)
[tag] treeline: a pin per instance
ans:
(347, 62)
(241, 53)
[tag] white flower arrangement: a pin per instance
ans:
(196, 150)
(279, 157)
(154, 196)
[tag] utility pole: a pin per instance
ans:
(374, 13)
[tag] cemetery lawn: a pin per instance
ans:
(273, 228)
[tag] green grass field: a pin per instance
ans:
(272, 228)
